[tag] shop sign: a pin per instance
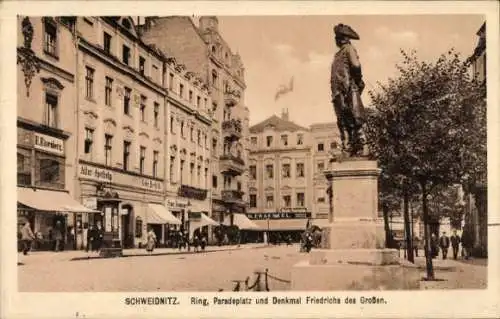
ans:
(108, 176)
(90, 202)
(278, 215)
(49, 144)
(194, 215)
(177, 204)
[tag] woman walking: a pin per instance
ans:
(151, 241)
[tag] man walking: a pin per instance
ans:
(455, 241)
(27, 237)
(444, 243)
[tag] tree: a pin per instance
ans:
(429, 126)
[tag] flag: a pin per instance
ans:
(284, 89)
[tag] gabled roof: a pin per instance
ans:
(277, 124)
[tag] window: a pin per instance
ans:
(182, 171)
(143, 108)
(286, 171)
(108, 91)
(125, 54)
(253, 140)
(269, 141)
(142, 159)
(171, 167)
(253, 172)
(284, 140)
(182, 128)
(191, 134)
(49, 171)
(300, 169)
(198, 132)
(321, 199)
(333, 145)
(155, 73)
(321, 147)
(321, 166)
(108, 139)
(198, 173)
(300, 139)
(126, 101)
(181, 90)
(287, 201)
(190, 96)
(214, 107)
(171, 124)
(138, 227)
(126, 154)
(50, 37)
(206, 177)
(269, 171)
(300, 199)
(156, 113)
(253, 200)
(198, 102)
(238, 186)
(214, 78)
(51, 102)
(269, 201)
(214, 146)
(89, 140)
(206, 140)
(191, 172)
(142, 65)
(214, 181)
(89, 83)
(107, 43)
(171, 81)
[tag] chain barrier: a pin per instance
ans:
(257, 285)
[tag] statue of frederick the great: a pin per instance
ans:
(347, 85)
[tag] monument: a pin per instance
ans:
(352, 254)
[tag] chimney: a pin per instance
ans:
(284, 114)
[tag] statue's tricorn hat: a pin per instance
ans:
(345, 31)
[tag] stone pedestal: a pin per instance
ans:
(353, 254)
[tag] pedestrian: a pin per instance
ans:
(434, 245)
(27, 237)
(203, 243)
(99, 236)
(444, 244)
(90, 239)
(151, 241)
(58, 236)
(455, 241)
(196, 242)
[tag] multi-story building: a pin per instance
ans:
(287, 186)
(203, 50)
(46, 129)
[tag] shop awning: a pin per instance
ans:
(289, 224)
(159, 214)
(244, 223)
(203, 221)
(52, 201)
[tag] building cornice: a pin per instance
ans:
(38, 127)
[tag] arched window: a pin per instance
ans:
(215, 78)
(214, 50)
(138, 227)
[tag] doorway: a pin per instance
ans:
(126, 227)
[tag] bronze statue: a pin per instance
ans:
(347, 85)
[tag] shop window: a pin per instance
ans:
(50, 37)
(138, 227)
(108, 145)
(89, 140)
(300, 170)
(107, 42)
(51, 103)
(49, 171)
(253, 200)
(286, 171)
(108, 91)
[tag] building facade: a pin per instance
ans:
(287, 188)
(203, 50)
(46, 127)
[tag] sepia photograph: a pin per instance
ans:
(219, 153)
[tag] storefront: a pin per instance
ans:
(127, 203)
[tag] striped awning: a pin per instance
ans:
(50, 201)
(159, 214)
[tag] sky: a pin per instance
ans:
(275, 48)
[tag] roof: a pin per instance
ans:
(277, 124)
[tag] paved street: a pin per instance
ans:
(209, 271)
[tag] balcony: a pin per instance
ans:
(231, 165)
(233, 197)
(232, 129)
(231, 97)
(192, 192)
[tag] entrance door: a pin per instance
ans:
(125, 231)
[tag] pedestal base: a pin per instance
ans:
(345, 276)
